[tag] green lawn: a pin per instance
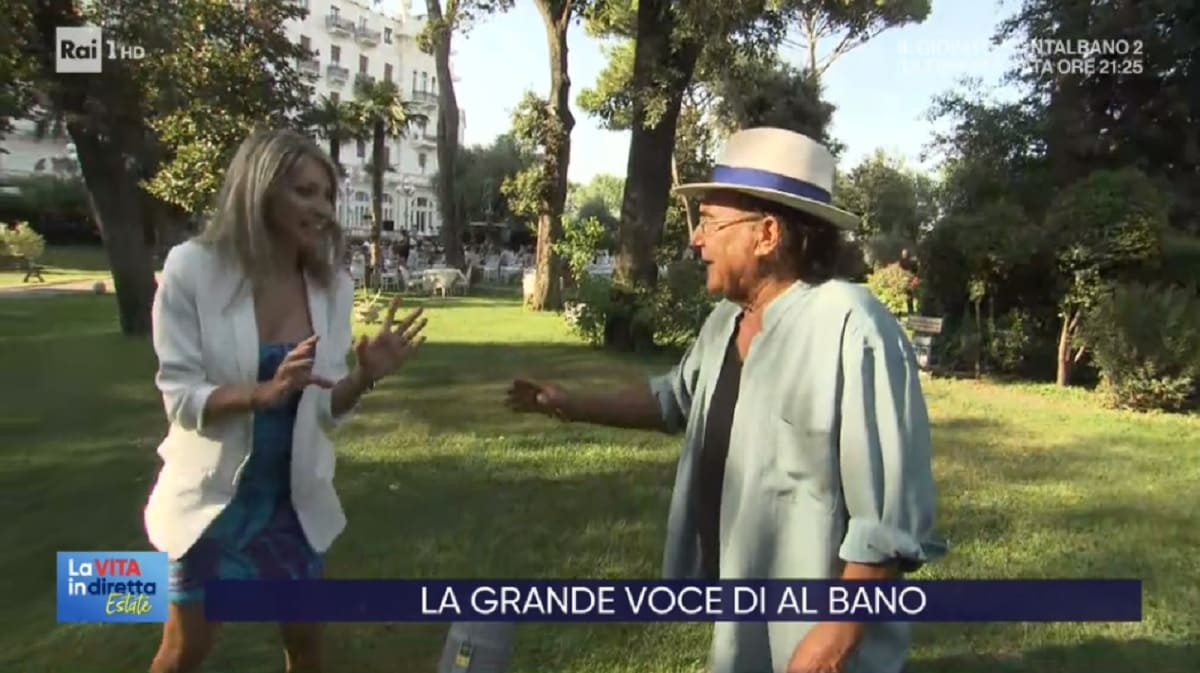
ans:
(438, 480)
(65, 264)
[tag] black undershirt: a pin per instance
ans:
(713, 455)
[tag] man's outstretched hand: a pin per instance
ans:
(526, 396)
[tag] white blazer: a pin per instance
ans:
(206, 336)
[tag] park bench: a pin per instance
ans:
(20, 263)
(924, 329)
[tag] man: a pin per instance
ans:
(909, 264)
(807, 452)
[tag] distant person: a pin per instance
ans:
(252, 330)
(402, 249)
(808, 442)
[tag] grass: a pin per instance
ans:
(65, 264)
(438, 480)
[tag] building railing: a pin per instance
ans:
(367, 35)
(339, 24)
(337, 72)
(425, 97)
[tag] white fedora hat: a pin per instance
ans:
(781, 166)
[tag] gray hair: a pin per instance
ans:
(238, 225)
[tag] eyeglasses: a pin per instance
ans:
(713, 226)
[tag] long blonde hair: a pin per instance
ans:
(238, 226)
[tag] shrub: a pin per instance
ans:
(674, 310)
(892, 286)
(1010, 341)
(589, 306)
(581, 239)
(1145, 341)
(22, 241)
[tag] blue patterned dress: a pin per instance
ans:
(258, 536)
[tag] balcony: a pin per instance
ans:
(366, 35)
(338, 25)
(309, 66)
(337, 74)
(425, 97)
(363, 78)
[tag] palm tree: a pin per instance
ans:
(384, 115)
(337, 122)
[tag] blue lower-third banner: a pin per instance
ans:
(674, 601)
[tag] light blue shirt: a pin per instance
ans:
(829, 461)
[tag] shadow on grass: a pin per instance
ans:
(1095, 656)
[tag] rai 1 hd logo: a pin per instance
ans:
(112, 587)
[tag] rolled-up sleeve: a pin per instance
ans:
(339, 339)
(885, 454)
(181, 377)
(673, 390)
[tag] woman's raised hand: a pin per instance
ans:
(396, 342)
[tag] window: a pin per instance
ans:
(422, 207)
(387, 35)
(335, 54)
(414, 81)
(362, 149)
(387, 156)
(335, 11)
(421, 163)
(335, 97)
(424, 81)
(305, 43)
(387, 72)
(433, 83)
(362, 64)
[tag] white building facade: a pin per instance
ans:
(354, 39)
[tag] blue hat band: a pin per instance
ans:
(753, 177)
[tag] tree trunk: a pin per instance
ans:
(118, 204)
(447, 130)
(657, 62)
(1065, 361)
(335, 150)
(547, 290)
(978, 339)
(378, 149)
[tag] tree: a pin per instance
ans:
(895, 202)
(1138, 108)
(17, 69)
(991, 151)
(599, 200)
(385, 115)
(338, 122)
(1106, 227)
(762, 90)
(546, 126)
(481, 172)
(441, 24)
(533, 193)
(153, 136)
(855, 21)
(673, 44)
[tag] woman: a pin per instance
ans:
(252, 333)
